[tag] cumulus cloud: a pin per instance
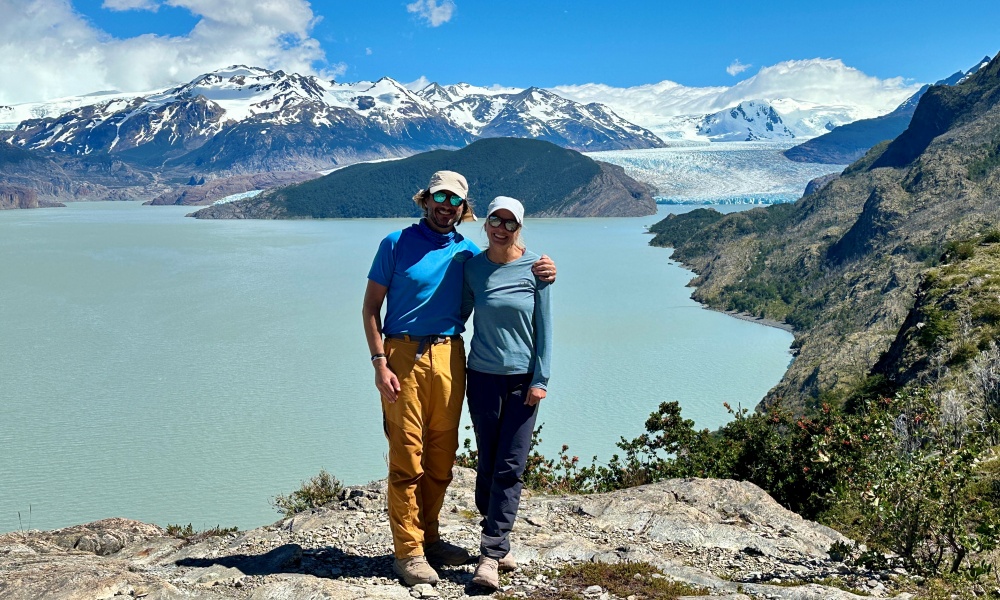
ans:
(825, 82)
(48, 50)
(737, 67)
(433, 12)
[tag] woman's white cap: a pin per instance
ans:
(506, 202)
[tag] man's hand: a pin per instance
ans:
(386, 381)
(535, 395)
(544, 269)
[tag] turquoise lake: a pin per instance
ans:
(171, 370)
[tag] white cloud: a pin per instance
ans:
(119, 5)
(737, 67)
(368, 51)
(48, 50)
(419, 84)
(819, 82)
(432, 11)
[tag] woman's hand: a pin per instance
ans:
(535, 395)
(544, 269)
(386, 381)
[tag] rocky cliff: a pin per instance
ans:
(728, 539)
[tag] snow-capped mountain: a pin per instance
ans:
(748, 121)
(539, 114)
(250, 119)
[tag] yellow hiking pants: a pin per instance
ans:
(422, 429)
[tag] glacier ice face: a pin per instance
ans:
(719, 173)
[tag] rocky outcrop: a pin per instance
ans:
(17, 197)
(611, 194)
(728, 538)
(206, 193)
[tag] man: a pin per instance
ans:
(420, 367)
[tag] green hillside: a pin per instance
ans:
(550, 180)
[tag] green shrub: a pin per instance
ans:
(322, 490)
(187, 532)
(936, 325)
(991, 237)
(989, 159)
(958, 250)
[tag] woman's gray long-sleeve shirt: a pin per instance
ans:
(512, 318)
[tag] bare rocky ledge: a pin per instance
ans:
(727, 537)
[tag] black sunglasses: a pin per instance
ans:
(453, 199)
(510, 225)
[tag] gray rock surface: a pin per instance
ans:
(727, 537)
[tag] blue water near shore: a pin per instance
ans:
(180, 371)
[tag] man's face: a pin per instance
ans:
(442, 216)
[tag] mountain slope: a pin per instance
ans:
(842, 265)
(31, 179)
(549, 180)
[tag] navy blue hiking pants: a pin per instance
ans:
(503, 426)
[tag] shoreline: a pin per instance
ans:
(759, 320)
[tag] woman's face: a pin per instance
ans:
(499, 237)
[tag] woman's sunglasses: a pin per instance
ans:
(453, 199)
(510, 225)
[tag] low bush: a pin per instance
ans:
(321, 490)
(187, 532)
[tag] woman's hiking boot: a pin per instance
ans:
(487, 574)
(507, 563)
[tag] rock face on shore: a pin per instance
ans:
(729, 538)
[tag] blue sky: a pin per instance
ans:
(515, 43)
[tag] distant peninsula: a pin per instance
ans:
(551, 182)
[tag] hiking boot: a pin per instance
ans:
(443, 553)
(507, 563)
(487, 574)
(414, 570)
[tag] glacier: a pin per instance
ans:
(720, 172)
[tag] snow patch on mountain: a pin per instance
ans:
(748, 121)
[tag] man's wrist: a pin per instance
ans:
(379, 359)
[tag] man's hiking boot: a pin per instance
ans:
(443, 553)
(507, 563)
(414, 570)
(487, 574)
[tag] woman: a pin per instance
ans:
(507, 374)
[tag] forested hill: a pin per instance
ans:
(915, 218)
(548, 179)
